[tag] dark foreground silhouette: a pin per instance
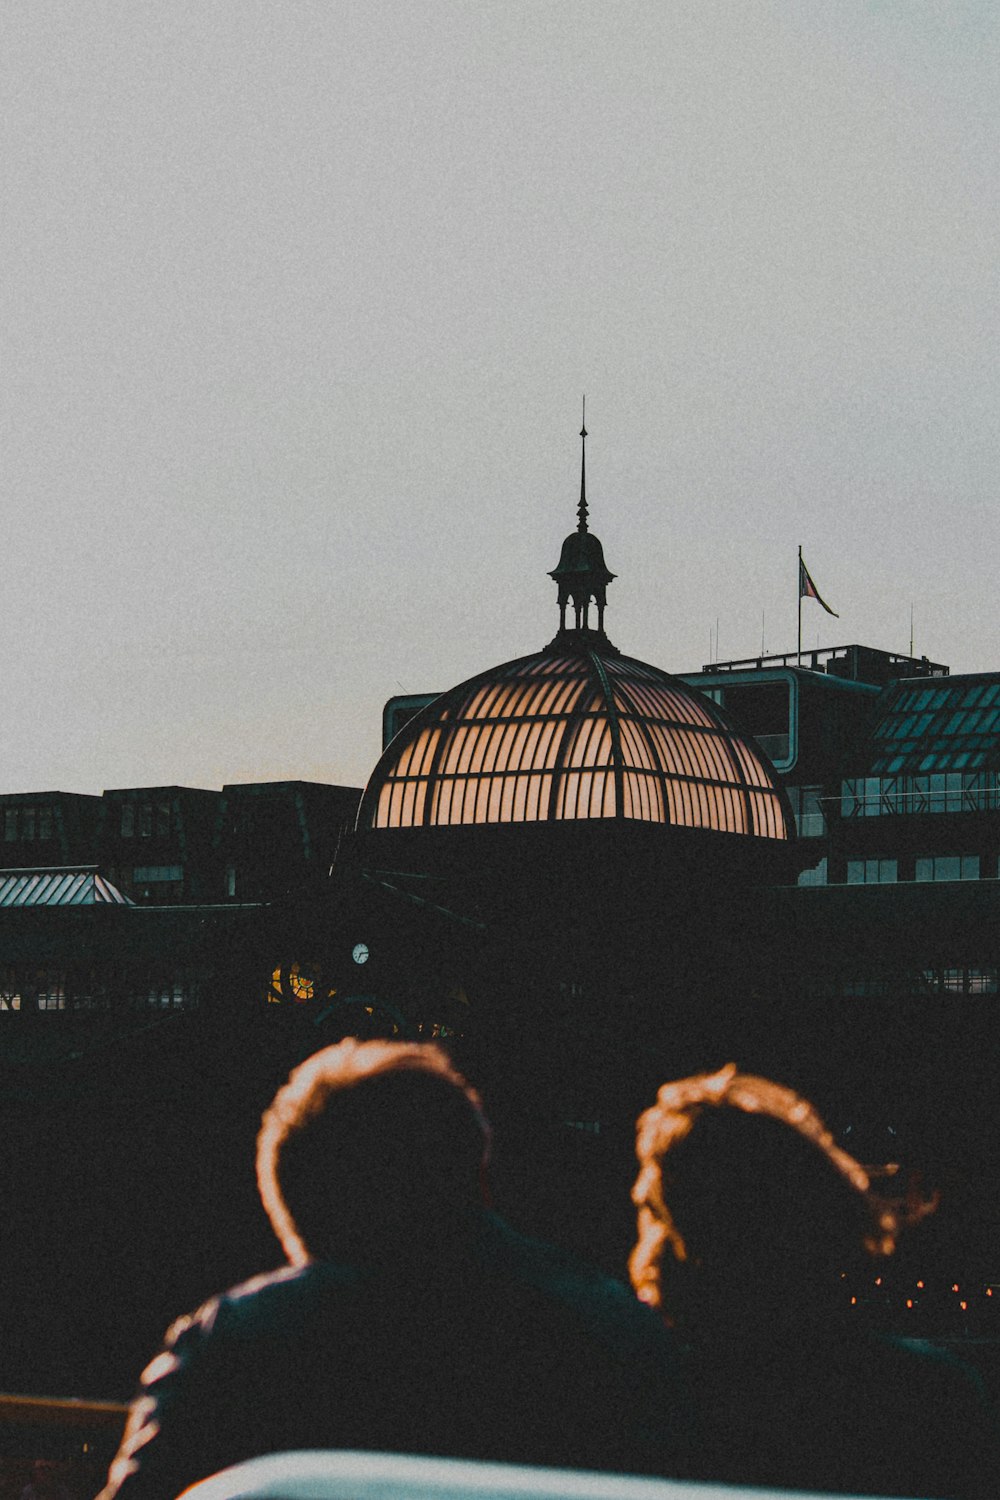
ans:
(410, 1318)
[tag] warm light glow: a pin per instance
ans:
(301, 984)
(571, 737)
(920, 1286)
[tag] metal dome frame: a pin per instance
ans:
(576, 731)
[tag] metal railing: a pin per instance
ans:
(892, 803)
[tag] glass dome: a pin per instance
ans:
(571, 733)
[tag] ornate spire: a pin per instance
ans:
(581, 509)
(582, 574)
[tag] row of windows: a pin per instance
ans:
(965, 721)
(581, 794)
(961, 754)
(937, 792)
(972, 979)
(28, 823)
(54, 991)
(966, 981)
(147, 819)
(952, 695)
(926, 867)
(549, 718)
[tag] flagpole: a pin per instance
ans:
(799, 653)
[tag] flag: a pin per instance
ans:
(808, 590)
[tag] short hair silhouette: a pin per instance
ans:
(737, 1171)
(367, 1143)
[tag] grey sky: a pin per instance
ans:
(299, 300)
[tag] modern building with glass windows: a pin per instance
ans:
(892, 766)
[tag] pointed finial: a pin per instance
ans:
(581, 509)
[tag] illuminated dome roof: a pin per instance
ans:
(575, 731)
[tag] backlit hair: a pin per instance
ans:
(671, 1119)
(349, 1066)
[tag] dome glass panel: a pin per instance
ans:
(572, 734)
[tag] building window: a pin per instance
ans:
(51, 991)
(152, 874)
(808, 810)
(146, 820)
(936, 792)
(974, 980)
(10, 824)
(27, 823)
(947, 867)
(871, 871)
(169, 992)
(865, 987)
(45, 823)
(128, 820)
(817, 876)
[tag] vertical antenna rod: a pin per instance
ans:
(581, 509)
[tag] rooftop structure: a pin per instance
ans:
(575, 731)
(84, 887)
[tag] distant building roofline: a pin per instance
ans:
(853, 663)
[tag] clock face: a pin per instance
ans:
(360, 953)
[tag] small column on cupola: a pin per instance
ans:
(582, 574)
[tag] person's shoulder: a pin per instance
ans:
(271, 1302)
(604, 1304)
(931, 1363)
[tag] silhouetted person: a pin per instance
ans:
(410, 1318)
(749, 1217)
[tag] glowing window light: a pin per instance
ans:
(482, 703)
(427, 743)
(510, 742)
(705, 754)
(955, 1287)
(909, 1301)
(494, 803)
(669, 749)
(494, 743)
(406, 759)
(920, 1286)
(462, 747)
(548, 740)
(672, 760)
(517, 747)
(547, 696)
(752, 767)
(964, 1306)
(566, 699)
(591, 745)
(636, 746)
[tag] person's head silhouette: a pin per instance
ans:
(370, 1148)
(745, 1202)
